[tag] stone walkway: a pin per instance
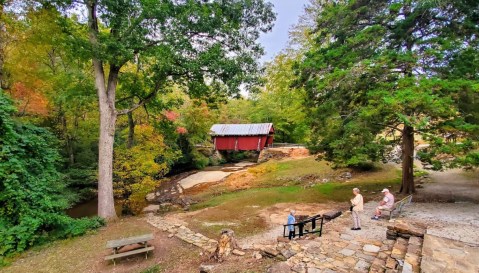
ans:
(446, 255)
(380, 247)
(339, 249)
(180, 231)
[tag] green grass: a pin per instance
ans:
(419, 173)
(292, 170)
(153, 269)
(264, 197)
(281, 182)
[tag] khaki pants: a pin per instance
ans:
(356, 219)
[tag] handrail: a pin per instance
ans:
(301, 225)
(285, 145)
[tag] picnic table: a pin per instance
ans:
(141, 240)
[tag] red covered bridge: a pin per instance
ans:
(242, 137)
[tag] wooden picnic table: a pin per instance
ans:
(141, 240)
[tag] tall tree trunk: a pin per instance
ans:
(407, 185)
(106, 204)
(68, 138)
(3, 38)
(106, 102)
(70, 149)
(131, 130)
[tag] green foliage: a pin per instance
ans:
(372, 71)
(31, 192)
(200, 161)
(139, 170)
(277, 102)
(153, 269)
(282, 104)
(57, 92)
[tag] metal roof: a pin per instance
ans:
(252, 129)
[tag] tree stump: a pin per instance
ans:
(226, 244)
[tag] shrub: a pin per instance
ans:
(139, 170)
(199, 160)
(32, 203)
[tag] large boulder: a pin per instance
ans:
(404, 228)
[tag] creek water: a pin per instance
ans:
(88, 209)
(209, 174)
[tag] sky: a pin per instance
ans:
(287, 15)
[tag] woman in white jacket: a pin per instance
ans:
(357, 206)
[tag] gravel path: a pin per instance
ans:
(455, 185)
(457, 221)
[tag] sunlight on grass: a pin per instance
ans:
(241, 208)
(285, 182)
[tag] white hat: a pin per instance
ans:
(385, 190)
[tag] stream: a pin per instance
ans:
(208, 175)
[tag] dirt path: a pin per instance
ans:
(455, 185)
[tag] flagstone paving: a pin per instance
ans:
(341, 249)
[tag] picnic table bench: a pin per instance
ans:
(398, 206)
(141, 240)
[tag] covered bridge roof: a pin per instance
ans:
(252, 129)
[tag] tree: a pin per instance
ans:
(375, 76)
(32, 202)
(280, 103)
(193, 43)
(53, 87)
(139, 169)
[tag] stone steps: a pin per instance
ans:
(379, 263)
(412, 260)
(404, 255)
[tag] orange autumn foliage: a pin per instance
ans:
(28, 100)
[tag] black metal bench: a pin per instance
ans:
(301, 226)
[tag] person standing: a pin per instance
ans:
(386, 203)
(291, 222)
(357, 206)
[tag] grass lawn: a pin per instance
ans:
(222, 206)
(86, 253)
(284, 182)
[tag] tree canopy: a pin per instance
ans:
(380, 72)
(195, 44)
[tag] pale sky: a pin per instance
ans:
(288, 12)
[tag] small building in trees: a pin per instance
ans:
(242, 137)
